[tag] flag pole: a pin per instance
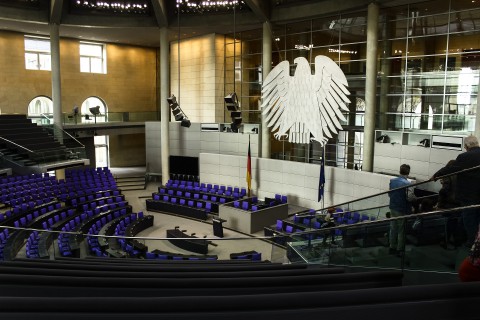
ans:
(249, 168)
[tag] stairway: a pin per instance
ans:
(130, 183)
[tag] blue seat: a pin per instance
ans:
(279, 225)
(208, 206)
(289, 229)
(150, 255)
(257, 256)
(245, 205)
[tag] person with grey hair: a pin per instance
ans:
(400, 205)
(468, 185)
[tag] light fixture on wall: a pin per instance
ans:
(178, 112)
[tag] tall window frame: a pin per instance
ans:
(37, 53)
(93, 57)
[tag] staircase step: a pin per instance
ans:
(132, 188)
(126, 178)
(130, 184)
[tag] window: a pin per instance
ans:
(37, 54)
(92, 58)
(40, 110)
(86, 110)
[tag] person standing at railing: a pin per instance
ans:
(400, 205)
(447, 199)
(468, 185)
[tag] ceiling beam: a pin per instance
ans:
(261, 9)
(160, 10)
(56, 8)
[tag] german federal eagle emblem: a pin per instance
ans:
(305, 106)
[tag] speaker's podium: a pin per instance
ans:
(218, 227)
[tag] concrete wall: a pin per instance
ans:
(299, 181)
(190, 142)
(127, 150)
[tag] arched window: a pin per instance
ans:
(93, 110)
(40, 110)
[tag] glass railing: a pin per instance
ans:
(110, 117)
(35, 243)
(358, 235)
(74, 148)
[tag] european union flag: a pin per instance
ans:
(321, 181)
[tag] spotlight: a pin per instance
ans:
(95, 110)
(231, 102)
(185, 123)
(177, 112)
(237, 117)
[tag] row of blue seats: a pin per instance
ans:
(281, 198)
(102, 200)
(177, 256)
(195, 196)
(64, 238)
(25, 220)
(86, 170)
(88, 195)
(12, 180)
(24, 207)
(200, 204)
(247, 205)
(63, 215)
(4, 235)
(31, 247)
(93, 243)
(17, 198)
(206, 187)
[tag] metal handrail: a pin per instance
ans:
(403, 188)
(379, 221)
(16, 144)
(68, 134)
(46, 117)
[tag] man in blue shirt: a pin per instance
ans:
(399, 206)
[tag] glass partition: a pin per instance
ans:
(358, 234)
(109, 117)
(32, 243)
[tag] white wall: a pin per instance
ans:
(153, 148)
(424, 162)
(190, 142)
(299, 181)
